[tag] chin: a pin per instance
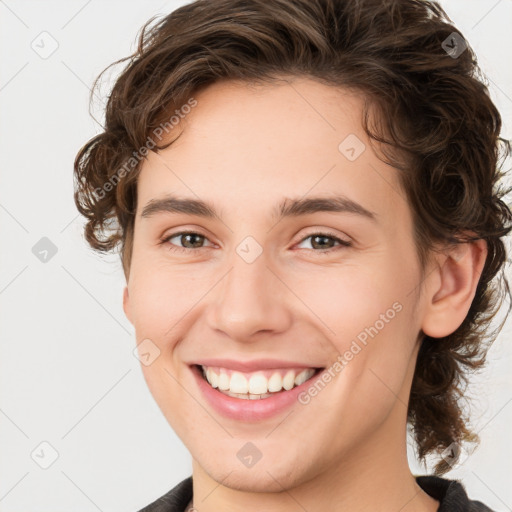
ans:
(263, 477)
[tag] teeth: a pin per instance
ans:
(289, 380)
(212, 378)
(275, 383)
(223, 381)
(238, 383)
(247, 396)
(255, 385)
(301, 378)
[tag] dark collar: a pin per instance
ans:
(450, 493)
(175, 500)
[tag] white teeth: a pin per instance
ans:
(289, 380)
(238, 383)
(256, 385)
(212, 377)
(247, 396)
(302, 377)
(275, 383)
(223, 381)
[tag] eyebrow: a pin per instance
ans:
(287, 208)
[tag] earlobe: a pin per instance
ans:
(458, 274)
(126, 304)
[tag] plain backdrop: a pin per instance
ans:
(72, 393)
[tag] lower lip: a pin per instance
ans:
(249, 410)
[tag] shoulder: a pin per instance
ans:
(451, 495)
(175, 500)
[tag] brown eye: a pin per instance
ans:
(322, 242)
(189, 240)
(194, 239)
(325, 242)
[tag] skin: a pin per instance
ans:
(346, 449)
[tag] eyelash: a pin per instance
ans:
(174, 248)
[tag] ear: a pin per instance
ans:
(452, 289)
(126, 304)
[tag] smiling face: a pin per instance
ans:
(303, 289)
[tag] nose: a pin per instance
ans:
(250, 300)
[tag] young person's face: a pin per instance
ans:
(304, 301)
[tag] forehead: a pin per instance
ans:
(248, 146)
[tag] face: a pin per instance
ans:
(251, 294)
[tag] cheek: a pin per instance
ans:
(349, 302)
(367, 314)
(160, 298)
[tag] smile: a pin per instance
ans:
(255, 385)
(258, 405)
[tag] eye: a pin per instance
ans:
(195, 240)
(318, 240)
(185, 237)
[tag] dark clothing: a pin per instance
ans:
(450, 494)
(176, 500)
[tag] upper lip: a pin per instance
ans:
(254, 365)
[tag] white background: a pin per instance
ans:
(67, 372)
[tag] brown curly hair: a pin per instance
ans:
(435, 112)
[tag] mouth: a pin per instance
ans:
(256, 385)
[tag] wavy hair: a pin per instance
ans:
(437, 126)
